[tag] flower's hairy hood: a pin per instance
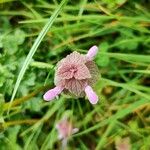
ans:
(76, 73)
(73, 66)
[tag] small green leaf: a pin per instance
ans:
(126, 43)
(1, 104)
(104, 47)
(34, 104)
(125, 32)
(12, 136)
(19, 36)
(9, 44)
(103, 60)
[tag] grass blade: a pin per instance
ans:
(34, 48)
(120, 114)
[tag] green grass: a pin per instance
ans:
(33, 50)
(35, 35)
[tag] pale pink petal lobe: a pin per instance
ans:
(93, 98)
(82, 73)
(75, 86)
(92, 52)
(64, 72)
(75, 58)
(51, 94)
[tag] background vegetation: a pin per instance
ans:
(121, 30)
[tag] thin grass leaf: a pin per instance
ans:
(5, 1)
(120, 114)
(129, 57)
(130, 87)
(104, 136)
(55, 107)
(142, 71)
(34, 48)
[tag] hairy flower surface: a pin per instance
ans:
(76, 74)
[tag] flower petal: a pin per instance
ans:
(93, 98)
(75, 86)
(51, 94)
(94, 71)
(92, 52)
(64, 72)
(59, 81)
(75, 58)
(82, 73)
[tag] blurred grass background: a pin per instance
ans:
(120, 29)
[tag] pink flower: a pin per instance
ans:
(65, 130)
(123, 144)
(76, 74)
